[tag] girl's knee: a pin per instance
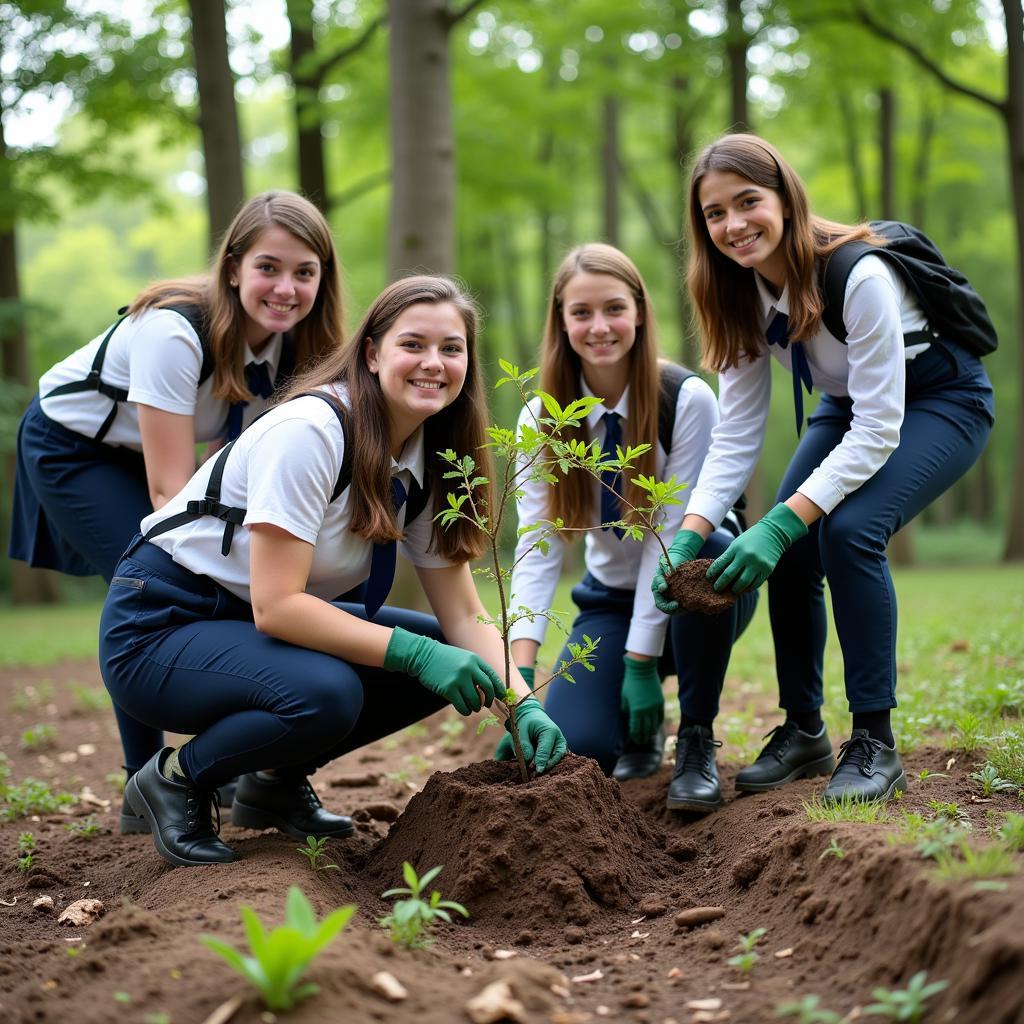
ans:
(328, 703)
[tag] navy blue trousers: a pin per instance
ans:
(949, 416)
(77, 504)
(588, 711)
(179, 652)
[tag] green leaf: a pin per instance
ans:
(409, 874)
(430, 876)
(299, 911)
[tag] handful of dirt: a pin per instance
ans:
(688, 584)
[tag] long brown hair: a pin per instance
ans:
(561, 367)
(461, 425)
(725, 298)
(315, 335)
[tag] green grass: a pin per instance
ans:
(44, 634)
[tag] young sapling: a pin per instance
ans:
(807, 1011)
(905, 1004)
(540, 452)
(411, 919)
(26, 851)
(280, 957)
(316, 855)
(988, 777)
(747, 957)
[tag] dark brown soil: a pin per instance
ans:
(688, 584)
(574, 875)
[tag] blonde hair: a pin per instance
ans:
(224, 319)
(724, 293)
(560, 369)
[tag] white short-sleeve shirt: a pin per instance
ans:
(618, 563)
(870, 369)
(157, 357)
(282, 471)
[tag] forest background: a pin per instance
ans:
(484, 139)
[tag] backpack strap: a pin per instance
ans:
(834, 276)
(671, 379)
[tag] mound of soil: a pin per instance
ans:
(688, 584)
(557, 850)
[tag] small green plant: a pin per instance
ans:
(938, 837)
(833, 850)
(122, 997)
(280, 957)
(965, 862)
(451, 729)
(26, 851)
(870, 812)
(968, 728)
(807, 1011)
(41, 736)
(747, 957)
(87, 828)
(31, 797)
(950, 811)
(89, 698)
(411, 919)
(158, 1018)
(990, 781)
(905, 1004)
(924, 775)
(315, 853)
(117, 781)
(1007, 755)
(1011, 832)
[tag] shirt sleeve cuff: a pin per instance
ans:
(706, 505)
(646, 639)
(524, 629)
(822, 491)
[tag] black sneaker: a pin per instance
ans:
(867, 770)
(694, 785)
(640, 760)
(178, 815)
(288, 803)
(789, 754)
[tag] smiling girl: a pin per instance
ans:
(600, 340)
(904, 413)
(113, 432)
(220, 621)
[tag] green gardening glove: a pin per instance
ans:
(684, 548)
(505, 751)
(749, 560)
(542, 740)
(450, 672)
(642, 698)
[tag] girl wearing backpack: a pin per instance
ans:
(112, 434)
(600, 339)
(221, 620)
(905, 412)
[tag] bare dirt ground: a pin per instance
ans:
(575, 886)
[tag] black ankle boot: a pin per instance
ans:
(178, 815)
(640, 760)
(285, 803)
(695, 785)
(136, 824)
(867, 770)
(789, 754)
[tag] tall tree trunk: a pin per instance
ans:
(610, 166)
(1014, 114)
(218, 116)
(306, 81)
(28, 586)
(679, 154)
(851, 138)
(736, 42)
(922, 165)
(545, 216)
(422, 234)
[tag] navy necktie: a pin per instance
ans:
(611, 507)
(778, 334)
(257, 380)
(382, 564)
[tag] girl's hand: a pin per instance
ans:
(749, 560)
(684, 548)
(642, 698)
(542, 740)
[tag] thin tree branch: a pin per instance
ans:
(340, 56)
(360, 188)
(864, 16)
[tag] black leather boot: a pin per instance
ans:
(136, 824)
(287, 803)
(178, 816)
(867, 770)
(695, 785)
(640, 760)
(789, 754)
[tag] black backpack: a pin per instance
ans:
(672, 377)
(954, 309)
(196, 317)
(210, 504)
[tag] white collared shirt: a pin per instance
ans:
(624, 564)
(282, 471)
(870, 369)
(155, 355)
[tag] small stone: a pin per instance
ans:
(86, 749)
(581, 979)
(781, 954)
(636, 1000)
(388, 986)
(653, 906)
(503, 954)
(44, 903)
(574, 936)
(81, 912)
(602, 1011)
(704, 1004)
(675, 974)
(496, 1003)
(696, 916)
